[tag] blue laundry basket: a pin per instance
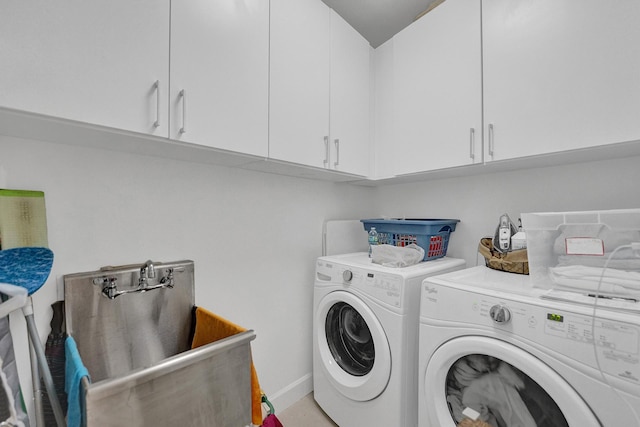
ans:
(432, 235)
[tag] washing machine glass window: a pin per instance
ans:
(502, 394)
(349, 339)
(353, 348)
(505, 384)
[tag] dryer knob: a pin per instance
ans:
(347, 275)
(500, 314)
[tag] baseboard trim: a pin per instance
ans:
(290, 394)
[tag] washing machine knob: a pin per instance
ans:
(500, 314)
(347, 275)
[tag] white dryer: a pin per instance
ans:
(491, 342)
(365, 333)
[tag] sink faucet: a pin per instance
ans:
(147, 271)
(109, 284)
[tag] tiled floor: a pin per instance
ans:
(305, 413)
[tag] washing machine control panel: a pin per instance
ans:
(568, 330)
(385, 288)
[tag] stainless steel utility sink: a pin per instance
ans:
(133, 327)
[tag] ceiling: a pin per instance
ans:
(379, 20)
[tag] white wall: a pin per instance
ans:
(478, 201)
(253, 237)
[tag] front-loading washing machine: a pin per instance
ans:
(491, 342)
(365, 334)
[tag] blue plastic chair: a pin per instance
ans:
(28, 268)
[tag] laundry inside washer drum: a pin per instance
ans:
(502, 394)
(349, 339)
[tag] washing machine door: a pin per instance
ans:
(505, 384)
(353, 346)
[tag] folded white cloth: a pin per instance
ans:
(396, 256)
(608, 281)
(624, 259)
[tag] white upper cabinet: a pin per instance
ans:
(383, 102)
(319, 106)
(437, 89)
(471, 82)
(219, 74)
(95, 62)
(560, 75)
(350, 125)
(299, 79)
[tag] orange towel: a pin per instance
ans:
(211, 327)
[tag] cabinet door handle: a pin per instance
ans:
(183, 95)
(472, 143)
(337, 143)
(156, 86)
(326, 151)
(491, 139)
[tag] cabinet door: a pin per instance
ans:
(299, 79)
(95, 62)
(438, 89)
(384, 95)
(560, 75)
(350, 94)
(219, 74)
